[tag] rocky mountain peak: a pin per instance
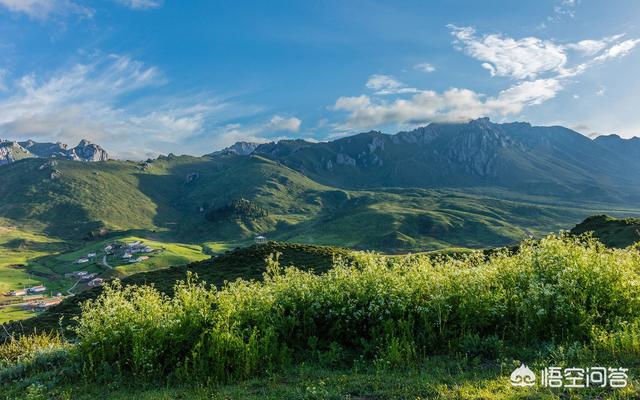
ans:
(87, 151)
(11, 151)
(240, 148)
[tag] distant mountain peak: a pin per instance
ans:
(84, 151)
(241, 148)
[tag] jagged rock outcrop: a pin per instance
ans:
(85, 151)
(12, 151)
(239, 148)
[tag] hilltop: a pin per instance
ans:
(548, 161)
(613, 232)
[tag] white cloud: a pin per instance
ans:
(540, 69)
(531, 57)
(425, 67)
(591, 47)
(504, 56)
(618, 50)
(86, 102)
(255, 133)
(387, 84)
(454, 104)
(562, 10)
(601, 90)
(278, 123)
(141, 4)
(42, 9)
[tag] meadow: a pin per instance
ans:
(370, 327)
(28, 258)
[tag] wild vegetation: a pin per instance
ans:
(562, 299)
(247, 263)
(239, 208)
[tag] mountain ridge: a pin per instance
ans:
(11, 151)
(517, 156)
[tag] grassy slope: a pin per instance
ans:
(613, 232)
(161, 201)
(42, 261)
(437, 378)
(246, 263)
(17, 247)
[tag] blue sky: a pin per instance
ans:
(144, 77)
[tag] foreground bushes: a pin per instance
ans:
(395, 310)
(26, 355)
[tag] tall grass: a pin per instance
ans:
(26, 355)
(394, 310)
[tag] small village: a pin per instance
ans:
(39, 297)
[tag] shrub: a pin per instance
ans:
(25, 355)
(24, 348)
(392, 310)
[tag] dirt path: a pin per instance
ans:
(73, 287)
(105, 263)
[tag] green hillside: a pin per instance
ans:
(246, 263)
(407, 327)
(183, 199)
(613, 232)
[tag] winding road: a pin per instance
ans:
(73, 287)
(105, 263)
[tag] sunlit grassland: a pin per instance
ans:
(28, 259)
(167, 255)
(18, 248)
(14, 313)
(371, 327)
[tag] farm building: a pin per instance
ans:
(37, 289)
(96, 282)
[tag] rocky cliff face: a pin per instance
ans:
(87, 151)
(12, 151)
(84, 151)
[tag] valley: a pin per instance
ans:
(145, 253)
(361, 192)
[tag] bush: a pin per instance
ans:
(25, 355)
(240, 208)
(392, 310)
(25, 348)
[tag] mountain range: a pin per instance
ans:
(516, 156)
(475, 184)
(11, 151)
